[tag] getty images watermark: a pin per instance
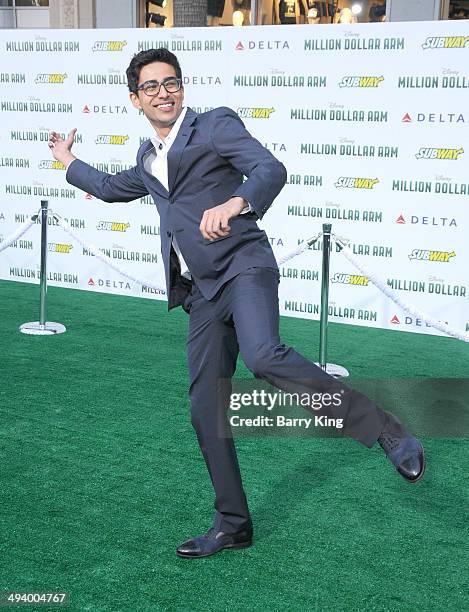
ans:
(254, 410)
(431, 407)
(280, 399)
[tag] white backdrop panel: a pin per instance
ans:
(371, 122)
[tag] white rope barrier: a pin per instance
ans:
(412, 310)
(97, 253)
(299, 250)
(17, 235)
(107, 260)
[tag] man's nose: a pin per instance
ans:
(162, 93)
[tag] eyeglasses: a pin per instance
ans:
(152, 88)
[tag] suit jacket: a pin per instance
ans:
(207, 163)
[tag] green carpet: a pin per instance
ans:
(101, 476)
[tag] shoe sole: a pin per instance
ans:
(232, 546)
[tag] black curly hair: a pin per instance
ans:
(148, 57)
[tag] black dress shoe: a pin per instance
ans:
(403, 450)
(212, 542)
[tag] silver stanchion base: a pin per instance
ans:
(335, 370)
(48, 329)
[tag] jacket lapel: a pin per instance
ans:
(177, 148)
(146, 150)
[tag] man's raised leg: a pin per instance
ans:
(254, 303)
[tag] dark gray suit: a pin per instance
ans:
(206, 165)
(233, 297)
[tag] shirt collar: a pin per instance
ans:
(171, 137)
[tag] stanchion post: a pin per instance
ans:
(43, 327)
(326, 254)
(331, 368)
(43, 273)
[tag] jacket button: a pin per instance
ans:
(168, 233)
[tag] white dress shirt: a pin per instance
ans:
(159, 169)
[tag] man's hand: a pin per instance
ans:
(60, 148)
(215, 221)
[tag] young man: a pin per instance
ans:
(220, 267)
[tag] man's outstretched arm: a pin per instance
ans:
(122, 187)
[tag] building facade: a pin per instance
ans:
(168, 13)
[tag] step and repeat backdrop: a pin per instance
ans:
(371, 122)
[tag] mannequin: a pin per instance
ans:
(313, 16)
(215, 10)
(267, 12)
(377, 11)
(303, 6)
(238, 18)
(245, 7)
(291, 11)
(345, 16)
(325, 9)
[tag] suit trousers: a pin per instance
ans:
(243, 317)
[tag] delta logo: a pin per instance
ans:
(352, 182)
(430, 221)
(101, 282)
(88, 196)
(439, 153)
(56, 247)
(361, 81)
(267, 45)
(50, 164)
(350, 279)
(115, 109)
(112, 226)
(425, 255)
(446, 42)
(109, 45)
(53, 78)
(395, 320)
(111, 139)
(435, 118)
(255, 112)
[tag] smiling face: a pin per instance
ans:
(163, 109)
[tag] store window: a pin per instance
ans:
(24, 13)
(458, 9)
(270, 12)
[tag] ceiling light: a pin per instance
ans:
(160, 3)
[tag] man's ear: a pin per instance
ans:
(134, 99)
